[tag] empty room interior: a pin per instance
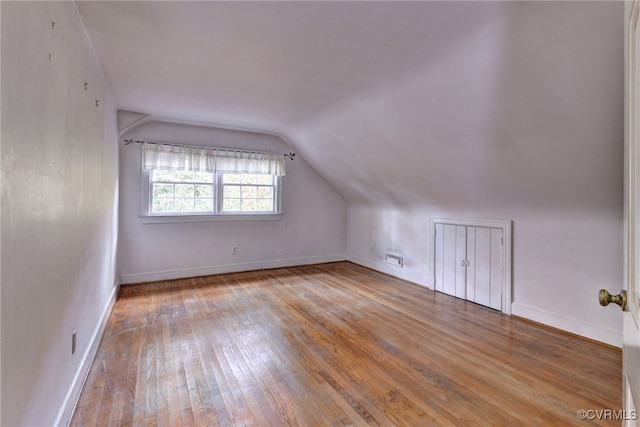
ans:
(313, 213)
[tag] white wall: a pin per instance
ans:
(313, 227)
(59, 208)
(521, 120)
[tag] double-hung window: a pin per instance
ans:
(200, 182)
(242, 193)
(181, 192)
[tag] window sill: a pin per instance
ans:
(169, 219)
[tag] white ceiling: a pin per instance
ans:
(392, 102)
(265, 63)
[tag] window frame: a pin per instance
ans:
(147, 217)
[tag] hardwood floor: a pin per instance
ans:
(335, 344)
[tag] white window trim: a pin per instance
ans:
(218, 215)
(169, 219)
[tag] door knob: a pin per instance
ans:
(606, 298)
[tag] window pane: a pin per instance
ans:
(204, 205)
(231, 178)
(184, 190)
(162, 190)
(249, 192)
(264, 179)
(162, 205)
(248, 179)
(204, 191)
(265, 205)
(265, 192)
(184, 176)
(184, 205)
(231, 192)
(231, 205)
(249, 205)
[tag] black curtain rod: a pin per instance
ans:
(291, 155)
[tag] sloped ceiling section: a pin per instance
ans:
(457, 104)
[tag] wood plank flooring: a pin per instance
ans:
(332, 345)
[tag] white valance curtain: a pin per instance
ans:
(174, 157)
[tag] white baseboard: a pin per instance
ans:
(574, 326)
(73, 393)
(155, 276)
(399, 272)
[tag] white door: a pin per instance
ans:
(450, 256)
(484, 266)
(631, 331)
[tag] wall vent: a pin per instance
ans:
(393, 258)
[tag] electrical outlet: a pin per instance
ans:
(234, 250)
(73, 342)
(372, 246)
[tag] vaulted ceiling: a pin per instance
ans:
(451, 104)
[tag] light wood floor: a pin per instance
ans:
(335, 344)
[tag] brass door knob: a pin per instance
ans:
(606, 298)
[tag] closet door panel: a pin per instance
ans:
(460, 263)
(482, 266)
(471, 263)
(449, 265)
(496, 268)
(439, 258)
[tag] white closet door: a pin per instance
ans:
(472, 260)
(468, 263)
(484, 285)
(449, 274)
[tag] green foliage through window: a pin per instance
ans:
(248, 193)
(194, 193)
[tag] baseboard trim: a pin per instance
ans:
(574, 326)
(156, 276)
(389, 269)
(73, 393)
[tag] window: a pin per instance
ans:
(181, 192)
(199, 182)
(248, 193)
(175, 193)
